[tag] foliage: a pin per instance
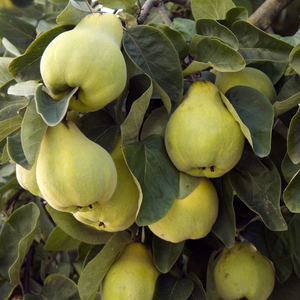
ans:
(48, 254)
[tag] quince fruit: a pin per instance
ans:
(132, 276)
(191, 217)
(74, 173)
(250, 77)
(120, 211)
(27, 179)
(202, 138)
(88, 57)
(242, 272)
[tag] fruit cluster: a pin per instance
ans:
(202, 139)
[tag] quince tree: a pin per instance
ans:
(149, 149)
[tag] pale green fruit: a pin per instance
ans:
(243, 272)
(88, 57)
(120, 211)
(191, 217)
(27, 178)
(202, 138)
(250, 77)
(72, 171)
(132, 276)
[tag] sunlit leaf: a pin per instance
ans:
(50, 110)
(211, 28)
(219, 55)
(185, 26)
(256, 44)
(213, 9)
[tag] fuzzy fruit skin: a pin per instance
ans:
(191, 217)
(72, 171)
(27, 179)
(132, 276)
(120, 211)
(88, 57)
(243, 272)
(248, 77)
(202, 138)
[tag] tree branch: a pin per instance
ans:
(162, 10)
(267, 12)
(149, 4)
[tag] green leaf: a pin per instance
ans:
(96, 269)
(5, 76)
(155, 123)
(224, 227)
(255, 116)
(255, 44)
(291, 237)
(10, 104)
(155, 55)
(291, 194)
(213, 9)
(293, 141)
(187, 185)
(219, 55)
(259, 190)
(74, 12)
(9, 126)
(288, 97)
(165, 254)
(100, 128)
(57, 287)
(58, 240)
(77, 230)
(23, 67)
(139, 95)
(16, 236)
(19, 32)
(26, 88)
(157, 176)
(15, 150)
(6, 288)
(289, 169)
(211, 28)
(198, 291)
(171, 288)
(235, 14)
(185, 26)
(32, 132)
(175, 37)
(52, 111)
(118, 4)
